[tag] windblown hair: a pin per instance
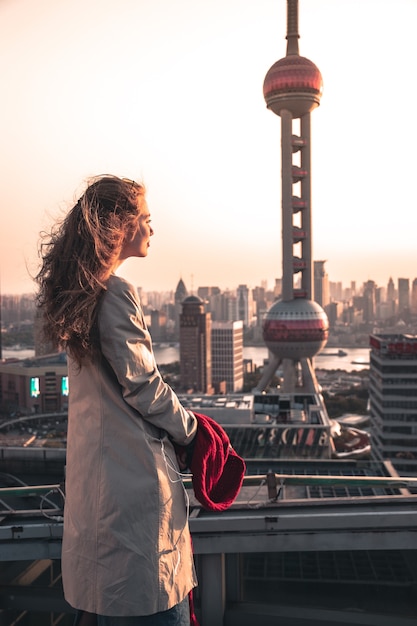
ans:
(78, 257)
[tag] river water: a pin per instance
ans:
(355, 358)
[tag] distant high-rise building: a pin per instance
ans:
(158, 326)
(259, 293)
(206, 292)
(390, 289)
(403, 296)
(379, 295)
(180, 295)
(195, 346)
(260, 304)
(369, 303)
(414, 297)
(347, 294)
(321, 284)
(337, 292)
(219, 306)
(232, 311)
(391, 297)
(211, 298)
(278, 288)
(227, 356)
(393, 400)
(381, 306)
(245, 304)
(333, 311)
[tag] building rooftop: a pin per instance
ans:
(306, 543)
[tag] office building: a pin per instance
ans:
(31, 386)
(195, 346)
(369, 301)
(404, 297)
(393, 400)
(414, 297)
(321, 284)
(245, 306)
(227, 356)
(334, 312)
(180, 294)
(391, 295)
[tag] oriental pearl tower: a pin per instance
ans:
(295, 328)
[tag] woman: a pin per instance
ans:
(126, 552)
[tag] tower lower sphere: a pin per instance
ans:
(295, 329)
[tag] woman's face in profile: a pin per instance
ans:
(138, 245)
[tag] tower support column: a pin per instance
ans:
(307, 276)
(286, 203)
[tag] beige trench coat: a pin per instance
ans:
(126, 546)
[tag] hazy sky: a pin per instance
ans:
(170, 92)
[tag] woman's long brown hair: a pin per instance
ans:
(78, 257)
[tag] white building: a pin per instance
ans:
(393, 400)
(227, 356)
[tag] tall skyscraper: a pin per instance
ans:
(227, 356)
(180, 294)
(369, 301)
(321, 284)
(195, 346)
(390, 289)
(391, 297)
(393, 400)
(414, 297)
(403, 296)
(296, 327)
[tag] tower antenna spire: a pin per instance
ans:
(292, 27)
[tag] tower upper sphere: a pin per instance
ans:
(293, 84)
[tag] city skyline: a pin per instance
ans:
(173, 95)
(335, 287)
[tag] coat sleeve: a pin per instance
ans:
(126, 344)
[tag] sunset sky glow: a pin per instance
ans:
(170, 93)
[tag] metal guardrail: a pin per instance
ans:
(269, 478)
